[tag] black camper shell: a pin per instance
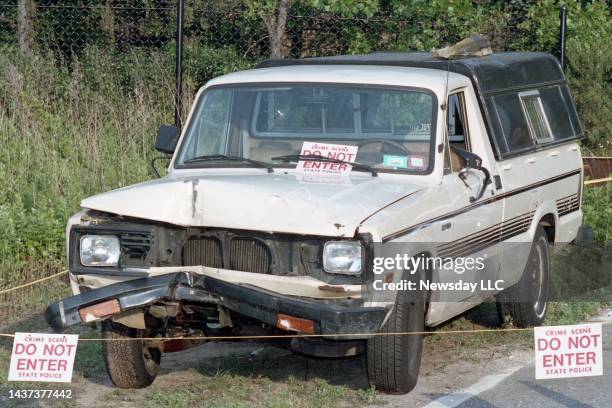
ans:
(502, 81)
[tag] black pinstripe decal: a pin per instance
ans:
(479, 203)
(487, 237)
(568, 204)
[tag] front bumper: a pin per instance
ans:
(248, 301)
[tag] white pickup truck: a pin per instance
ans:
(291, 183)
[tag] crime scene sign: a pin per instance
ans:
(345, 153)
(568, 351)
(43, 357)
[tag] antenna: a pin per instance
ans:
(444, 106)
(445, 103)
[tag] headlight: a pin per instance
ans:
(343, 257)
(100, 250)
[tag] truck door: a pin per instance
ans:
(471, 228)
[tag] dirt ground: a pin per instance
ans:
(252, 373)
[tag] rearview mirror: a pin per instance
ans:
(167, 138)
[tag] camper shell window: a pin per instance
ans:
(536, 119)
(523, 121)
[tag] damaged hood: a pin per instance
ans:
(267, 202)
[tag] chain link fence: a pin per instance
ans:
(222, 37)
(69, 29)
(122, 25)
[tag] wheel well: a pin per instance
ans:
(548, 222)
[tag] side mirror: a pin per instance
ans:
(473, 161)
(167, 138)
(469, 159)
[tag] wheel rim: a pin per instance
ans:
(150, 363)
(539, 279)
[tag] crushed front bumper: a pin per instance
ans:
(249, 301)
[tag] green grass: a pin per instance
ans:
(268, 380)
(597, 208)
(178, 397)
(272, 378)
(562, 313)
(89, 363)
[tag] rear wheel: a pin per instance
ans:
(526, 302)
(394, 361)
(130, 363)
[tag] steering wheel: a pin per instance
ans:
(387, 142)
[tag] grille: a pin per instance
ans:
(136, 245)
(243, 253)
(203, 251)
(249, 255)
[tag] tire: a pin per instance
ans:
(393, 361)
(526, 302)
(129, 363)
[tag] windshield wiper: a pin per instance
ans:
(223, 157)
(314, 157)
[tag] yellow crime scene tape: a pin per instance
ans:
(288, 336)
(597, 181)
(25, 285)
(258, 337)
(291, 336)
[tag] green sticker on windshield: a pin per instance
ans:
(395, 161)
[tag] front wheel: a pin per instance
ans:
(394, 360)
(130, 363)
(526, 302)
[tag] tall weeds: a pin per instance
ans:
(67, 131)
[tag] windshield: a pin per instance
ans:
(391, 129)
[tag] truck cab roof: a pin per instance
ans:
(431, 79)
(492, 73)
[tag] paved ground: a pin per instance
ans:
(509, 382)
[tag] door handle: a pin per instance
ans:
(446, 226)
(553, 154)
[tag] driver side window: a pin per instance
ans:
(457, 131)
